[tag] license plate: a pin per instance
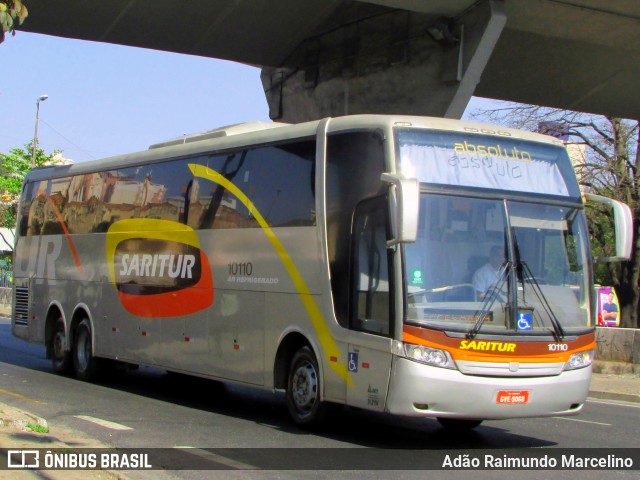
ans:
(513, 397)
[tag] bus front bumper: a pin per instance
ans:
(417, 389)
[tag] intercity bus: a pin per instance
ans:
(334, 260)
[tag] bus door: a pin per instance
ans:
(369, 360)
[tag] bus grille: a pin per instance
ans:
(21, 306)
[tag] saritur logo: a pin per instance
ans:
(158, 268)
(166, 265)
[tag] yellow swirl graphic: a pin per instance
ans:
(324, 335)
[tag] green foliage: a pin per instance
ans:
(13, 168)
(602, 241)
(12, 14)
(37, 428)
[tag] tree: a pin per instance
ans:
(608, 167)
(13, 168)
(12, 14)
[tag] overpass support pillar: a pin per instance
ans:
(397, 62)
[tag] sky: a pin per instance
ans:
(107, 100)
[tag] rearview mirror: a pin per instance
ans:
(405, 205)
(623, 226)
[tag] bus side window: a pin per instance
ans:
(277, 179)
(372, 304)
(25, 209)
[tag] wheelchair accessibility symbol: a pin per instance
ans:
(353, 362)
(525, 321)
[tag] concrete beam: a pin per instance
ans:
(392, 62)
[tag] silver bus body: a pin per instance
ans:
(201, 256)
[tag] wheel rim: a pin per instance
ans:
(84, 351)
(58, 345)
(305, 387)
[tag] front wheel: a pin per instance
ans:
(303, 389)
(84, 363)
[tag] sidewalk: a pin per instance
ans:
(610, 385)
(16, 434)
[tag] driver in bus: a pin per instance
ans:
(487, 275)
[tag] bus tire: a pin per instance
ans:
(458, 424)
(84, 363)
(303, 389)
(60, 358)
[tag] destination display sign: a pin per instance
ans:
(449, 158)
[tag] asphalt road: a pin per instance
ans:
(149, 408)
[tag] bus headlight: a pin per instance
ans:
(580, 360)
(430, 356)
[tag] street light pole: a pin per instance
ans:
(41, 98)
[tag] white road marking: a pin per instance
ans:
(617, 403)
(214, 457)
(104, 423)
(583, 421)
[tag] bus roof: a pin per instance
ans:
(226, 131)
(259, 132)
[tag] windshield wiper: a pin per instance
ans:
(558, 331)
(489, 300)
(524, 273)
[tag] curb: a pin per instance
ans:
(621, 397)
(21, 420)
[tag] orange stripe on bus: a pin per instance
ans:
(496, 357)
(67, 235)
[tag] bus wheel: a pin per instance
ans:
(83, 361)
(60, 358)
(458, 424)
(303, 388)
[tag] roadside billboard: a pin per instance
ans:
(608, 311)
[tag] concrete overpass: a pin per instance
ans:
(334, 57)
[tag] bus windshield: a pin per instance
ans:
(496, 266)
